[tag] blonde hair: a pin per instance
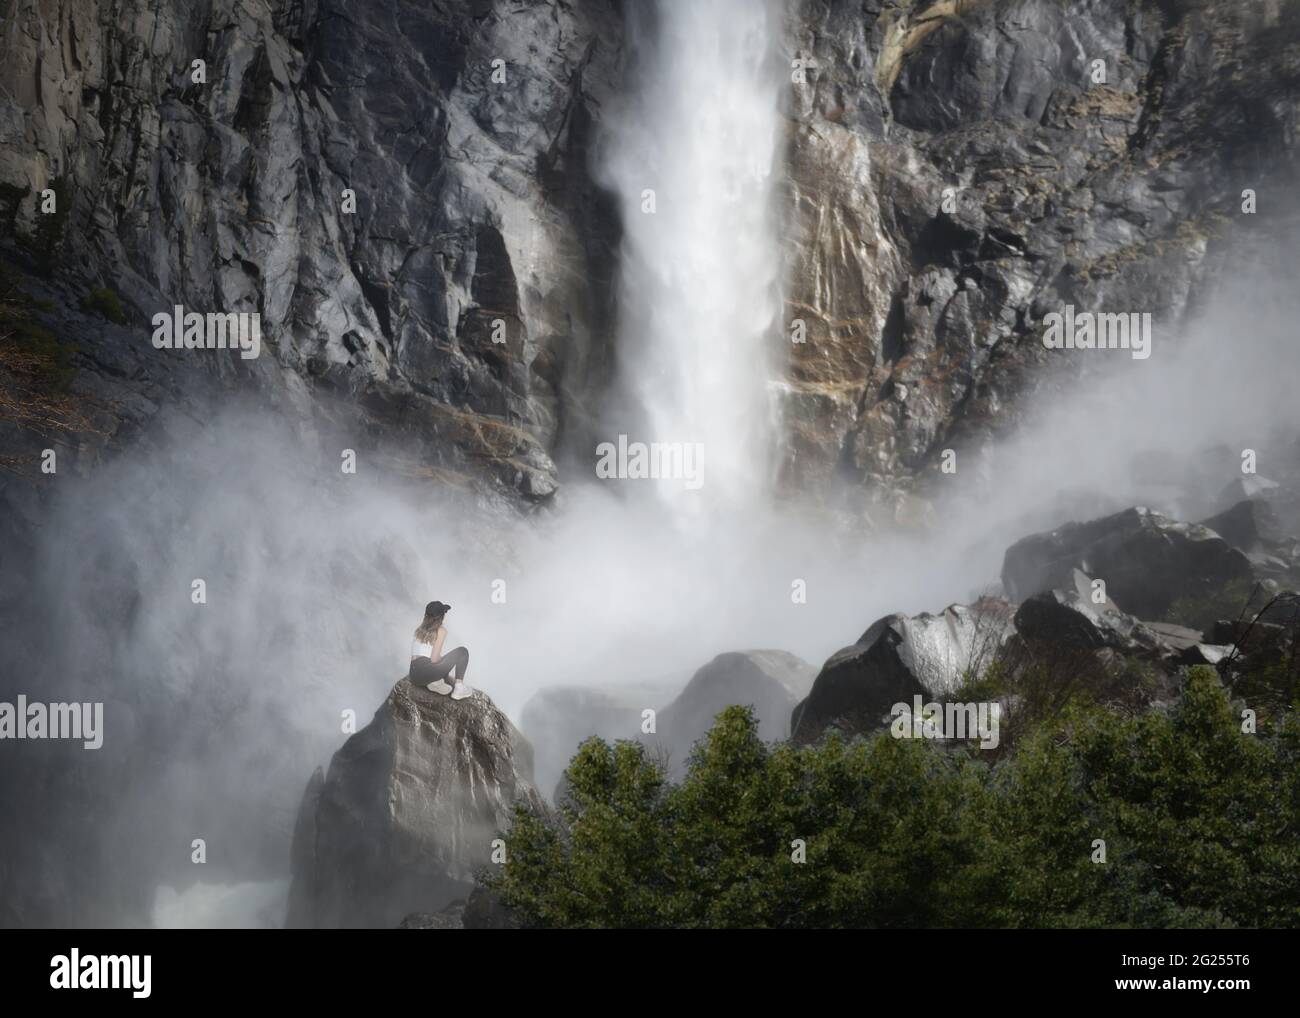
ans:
(427, 630)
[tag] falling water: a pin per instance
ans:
(693, 162)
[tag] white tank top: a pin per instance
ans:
(419, 649)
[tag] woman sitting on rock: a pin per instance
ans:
(429, 665)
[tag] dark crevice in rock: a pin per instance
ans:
(891, 336)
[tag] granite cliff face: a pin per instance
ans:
(1096, 153)
(474, 211)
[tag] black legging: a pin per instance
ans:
(424, 671)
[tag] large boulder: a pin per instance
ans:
(1072, 619)
(1147, 561)
(407, 813)
(1078, 637)
(1251, 525)
(899, 657)
(770, 681)
(1247, 488)
(1255, 527)
(558, 719)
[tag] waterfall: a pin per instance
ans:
(692, 160)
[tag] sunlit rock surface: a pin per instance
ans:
(924, 310)
(1147, 561)
(897, 658)
(1073, 617)
(473, 206)
(405, 818)
(478, 204)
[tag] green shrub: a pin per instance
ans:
(1199, 822)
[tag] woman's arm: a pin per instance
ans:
(436, 654)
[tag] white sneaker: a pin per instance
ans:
(462, 691)
(439, 687)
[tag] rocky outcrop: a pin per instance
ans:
(897, 658)
(406, 816)
(1250, 525)
(956, 169)
(558, 719)
(959, 168)
(1147, 561)
(1255, 527)
(1073, 618)
(1060, 638)
(362, 178)
(770, 681)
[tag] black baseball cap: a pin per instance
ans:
(436, 608)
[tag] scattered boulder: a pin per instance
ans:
(771, 681)
(1205, 654)
(1269, 626)
(558, 719)
(1247, 487)
(562, 718)
(1251, 525)
(1176, 638)
(406, 815)
(1147, 560)
(1071, 619)
(1245, 633)
(899, 657)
